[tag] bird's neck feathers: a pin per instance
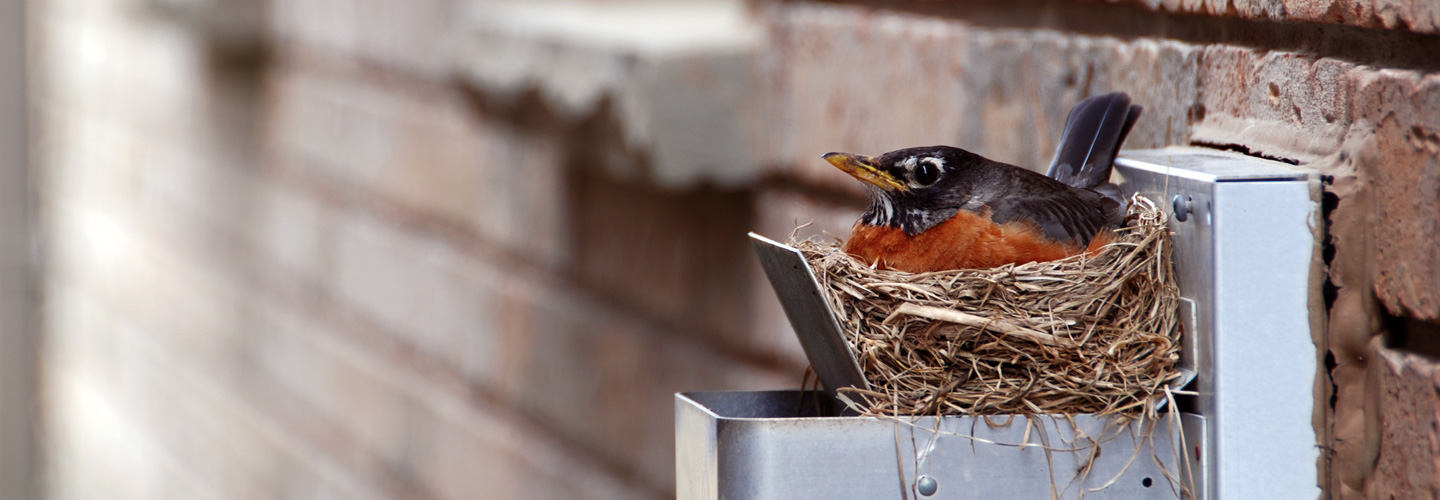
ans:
(889, 210)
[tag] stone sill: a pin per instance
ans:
(679, 78)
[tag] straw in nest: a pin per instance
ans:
(1088, 334)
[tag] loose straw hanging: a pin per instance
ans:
(1088, 334)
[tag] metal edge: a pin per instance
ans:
(1165, 170)
(1196, 436)
(696, 454)
(810, 315)
(1145, 159)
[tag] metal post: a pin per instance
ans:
(1243, 252)
(17, 339)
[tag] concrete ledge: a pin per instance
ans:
(234, 26)
(679, 78)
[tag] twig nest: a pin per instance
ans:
(1091, 333)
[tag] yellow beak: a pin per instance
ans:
(860, 167)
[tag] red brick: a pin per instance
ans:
(410, 36)
(179, 303)
(1405, 15)
(597, 378)
(350, 132)
(1402, 162)
(606, 379)
(1002, 93)
(671, 256)
(1279, 104)
(1408, 464)
(290, 235)
(413, 287)
(600, 379)
(428, 151)
(133, 420)
(1383, 261)
(450, 446)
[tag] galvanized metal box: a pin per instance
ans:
(770, 444)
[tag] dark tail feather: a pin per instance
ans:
(1093, 134)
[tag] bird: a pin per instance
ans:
(943, 208)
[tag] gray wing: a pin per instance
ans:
(1073, 219)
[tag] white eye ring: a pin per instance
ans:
(926, 172)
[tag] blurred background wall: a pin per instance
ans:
(446, 249)
(18, 355)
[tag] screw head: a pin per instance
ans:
(1182, 205)
(926, 485)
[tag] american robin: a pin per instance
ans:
(939, 208)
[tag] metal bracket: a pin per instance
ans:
(1243, 251)
(810, 314)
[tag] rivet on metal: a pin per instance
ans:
(926, 485)
(1183, 205)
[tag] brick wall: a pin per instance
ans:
(344, 253)
(327, 270)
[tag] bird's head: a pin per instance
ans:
(912, 188)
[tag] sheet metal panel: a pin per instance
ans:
(815, 324)
(1243, 257)
(760, 448)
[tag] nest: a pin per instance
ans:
(1092, 333)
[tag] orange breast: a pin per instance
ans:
(966, 241)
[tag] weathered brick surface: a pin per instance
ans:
(851, 79)
(1368, 128)
(1410, 15)
(545, 351)
(315, 281)
(1384, 265)
(541, 349)
(410, 37)
(426, 149)
(154, 393)
(1279, 104)
(673, 255)
(420, 435)
(1402, 162)
(1409, 406)
(400, 431)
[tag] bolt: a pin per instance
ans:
(1183, 204)
(927, 485)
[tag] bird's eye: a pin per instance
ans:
(926, 172)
